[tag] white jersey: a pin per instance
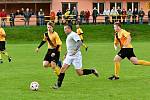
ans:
(71, 41)
(76, 59)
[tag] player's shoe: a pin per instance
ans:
(96, 73)
(56, 86)
(113, 77)
(86, 49)
(1, 61)
(9, 59)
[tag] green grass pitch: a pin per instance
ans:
(26, 66)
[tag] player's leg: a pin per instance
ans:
(117, 60)
(77, 63)
(61, 76)
(81, 72)
(59, 63)
(54, 63)
(131, 56)
(47, 59)
(135, 61)
(3, 50)
(5, 53)
(46, 64)
(1, 61)
(55, 68)
(66, 63)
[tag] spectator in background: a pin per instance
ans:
(27, 16)
(124, 14)
(41, 17)
(3, 18)
(75, 13)
(119, 14)
(32, 12)
(12, 19)
(17, 13)
(141, 15)
(87, 16)
(114, 14)
(106, 13)
(22, 11)
(67, 14)
(82, 16)
(94, 14)
(52, 16)
(149, 17)
(129, 14)
(59, 17)
(135, 15)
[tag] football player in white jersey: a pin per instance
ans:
(73, 56)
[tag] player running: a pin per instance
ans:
(2, 45)
(54, 47)
(123, 38)
(73, 56)
(80, 33)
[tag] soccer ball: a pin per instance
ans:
(34, 86)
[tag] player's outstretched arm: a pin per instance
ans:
(42, 43)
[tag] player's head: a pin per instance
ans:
(77, 26)
(117, 26)
(50, 26)
(68, 29)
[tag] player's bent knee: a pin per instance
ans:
(135, 62)
(117, 58)
(45, 64)
(63, 69)
(79, 72)
(53, 65)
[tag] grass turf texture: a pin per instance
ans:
(27, 67)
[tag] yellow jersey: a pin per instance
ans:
(80, 33)
(54, 39)
(121, 38)
(2, 34)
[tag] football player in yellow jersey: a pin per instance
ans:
(123, 38)
(54, 47)
(80, 33)
(2, 45)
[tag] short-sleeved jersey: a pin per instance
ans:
(2, 34)
(54, 39)
(121, 38)
(71, 41)
(80, 32)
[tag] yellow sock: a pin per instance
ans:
(143, 62)
(117, 68)
(0, 55)
(84, 45)
(5, 53)
(57, 70)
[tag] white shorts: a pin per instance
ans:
(75, 60)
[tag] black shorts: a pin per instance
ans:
(2, 45)
(126, 52)
(49, 58)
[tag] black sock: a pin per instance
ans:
(60, 79)
(87, 71)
